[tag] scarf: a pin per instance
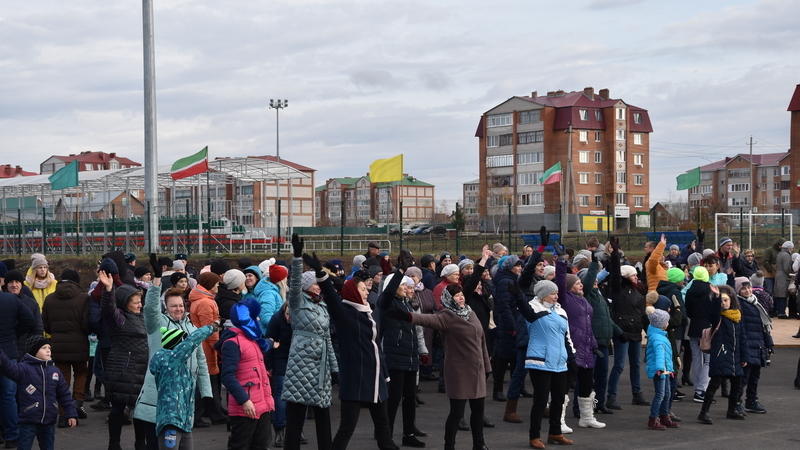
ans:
(419, 286)
(38, 283)
(465, 312)
(734, 315)
(766, 322)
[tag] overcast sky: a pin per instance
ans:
(371, 79)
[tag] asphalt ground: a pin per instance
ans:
(626, 429)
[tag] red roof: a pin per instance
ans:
(285, 161)
(479, 133)
(568, 105)
(766, 159)
(6, 171)
(97, 158)
(794, 104)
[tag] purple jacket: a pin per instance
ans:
(579, 314)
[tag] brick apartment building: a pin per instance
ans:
(87, 161)
(522, 137)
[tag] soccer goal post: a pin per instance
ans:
(758, 229)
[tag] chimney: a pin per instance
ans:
(534, 94)
(559, 93)
(551, 93)
(603, 93)
(589, 92)
(112, 155)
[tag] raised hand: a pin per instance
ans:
(404, 260)
(663, 239)
(613, 241)
(314, 263)
(297, 245)
(155, 265)
(558, 249)
(545, 236)
(107, 280)
(701, 235)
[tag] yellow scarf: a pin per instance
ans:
(733, 315)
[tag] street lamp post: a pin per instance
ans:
(278, 105)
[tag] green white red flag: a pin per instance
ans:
(552, 175)
(191, 165)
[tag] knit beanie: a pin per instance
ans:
(171, 337)
(10, 263)
(571, 280)
(448, 270)
(277, 273)
(176, 277)
(414, 272)
(141, 271)
(509, 261)
(208, 280)
(243, 262)
(178, 265)
(309, 279)
(253, 270)
(657, 317)
(739, 282)
(444, 255)
(383, 254)
(675, 275)
(627, 271)
(674, 247)
(548, 270)
(543, 288)
(130, 257)
(724, 241)
(694, 259)
(497, 248)
(14, 275)
(464, 263)
(651, 298)
(700, 273)
(358, 261)
(35, 343)
(787, 245)
(233, 279)
(756, 279)
(220, 266)
(374, 270)
(71, 275)
(3, 270)
(38, 260)
(708, 252)
(662, 303)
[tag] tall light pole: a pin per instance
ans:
(278, 106)
(152, 238)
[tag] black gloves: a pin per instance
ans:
(701, 235)
(545, 236)
(558, 249)
(297, 245)
(623, 338)
(404, 261)
(313, 262)
(513, 288)
(155, 265)
(598, 353)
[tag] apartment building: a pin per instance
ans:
(87, 161)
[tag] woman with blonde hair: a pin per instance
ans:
(39, 279)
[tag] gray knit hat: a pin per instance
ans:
(233, 279)
(694, 259)
(757, 279)
(309, 279)
(543, 288)
(464, 263)
(658, 318)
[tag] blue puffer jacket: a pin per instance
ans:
(269, 297)
(658, 352)
(729, 346)
(40, 389)
(506, 292)
(547, 348)
(759, 339)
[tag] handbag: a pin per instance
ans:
(707, 336)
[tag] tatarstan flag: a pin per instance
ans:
(191, 165)
(552, 175)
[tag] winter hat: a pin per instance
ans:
(739, 282)
(277, 273)
(254, 270)
(38, 260)
(178, 265)
(358, 261)
(426, 260)
(374, 270)
(674, 247)
(208, 280)
(141, 271)
(448, 270)
(707, 252)
(651, 298)
(414, 272)
(509, 261)
(264, 266)
(464, 263)
(657, 317)
(694, 259)
(498, 247)
(337, 263)
(371, 261)
(571, 280)
(444, 255)
(220, 266)
(165, 261)
(14, 275)
(663, 303)
(3, 270)
(586, 254)
(176, 277)
(627, 271)
(309, 279)
(700, 273)
(123, 293)
(71, 275)
(233, 279)
(675, 275)
(243, 262)
(382, 254)
(350, 291)
(373, 244)
(582, 274)
(10, 263)
(108, 266)
(171, 337)
(756, 279)
(787, 245)
(543, 288)
(181, 256)
(724, 241)
(35, 343)
(130, 257)
(244, 315)
(548, 270)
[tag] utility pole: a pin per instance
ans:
(752, 185)
(152, 237)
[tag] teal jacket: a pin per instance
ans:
(175, 382)
(269, 297)
(658, 352)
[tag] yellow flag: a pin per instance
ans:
(385, 170)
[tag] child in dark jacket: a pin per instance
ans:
(40, 385)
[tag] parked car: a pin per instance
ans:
(411, 229)
(421, 229)
(394, 230)
(438, 230)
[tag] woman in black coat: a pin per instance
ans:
(757, 326)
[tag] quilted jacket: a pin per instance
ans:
(128, 357)
(15, 320)
(729, 345)
(41, 389)
(505, 313)
(398, 337)
(65, 317)
(311, 356)
(758, 338)
(195, 364)
(580, 315)
(603, 327)
(205, 311)
(269, 297)
(658, 352)
(244, 374)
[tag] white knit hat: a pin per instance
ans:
(449, 269)
(233, 279)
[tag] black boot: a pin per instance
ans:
(81, 412)
(734, 414)
(418, 432)
(279, 437)
(114, 430)
(499, 396)
(638, 399)
(418, 400)
(525, 394)
(463, 425)
(704, 418)
(486, 423)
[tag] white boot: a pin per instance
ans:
(586, 405)
(564, 428)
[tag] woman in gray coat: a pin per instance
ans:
(783, 268)
(312, 364)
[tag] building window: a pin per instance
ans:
(776, 186)
(583, 136)
(620, 135)
(637, 117)
(637, 138)
(784, 199)
(694, 190)
(638, 201)
(584, 114)
(706, 175)
(530, 137)
(598, 178)
(637, 159)
(775, 172)
(622, 198)
(529, 116)
(502, 181)
(620, 155)
(500, 161)
(598, 201)
(528, 178)
(583, 200)
(764, 173)
(739, 173)
(784, 185)
(499, 120)
(621, 177)
(506, 139)
(583, 157)
(776, 201)
(620, 113)
(738, 201)
(784, 170)
(114, 165)
(530, 158)
(493, 141)
(583, 177)
(598, 157)
(739, 187)
(534, 199)
(597, 136)
(88, 167)
(638, 180)
(598, 115)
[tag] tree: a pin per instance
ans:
(459, 222)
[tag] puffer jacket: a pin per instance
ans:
(658, 353)
(127, 360)
(39, 294)
(627, 303)
(36, 330)
(506, 294)
(669, 289)
(50, 390)
(547, 348)
(311, 356)
(759, 339)
(580, 318)
(65, 317)
(196, 367)
(655, 270)
(16, 319)
(729, 346)
(603, 327)
(244, 373)
(398, 337)
(269, 297)
(764, 298)
(204, 312)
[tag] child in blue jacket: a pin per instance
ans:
(40, 385)
(659, 368)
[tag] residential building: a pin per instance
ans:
(6, 171)
(470, 204)
(367, 203)
(87, 161)
(521, 138)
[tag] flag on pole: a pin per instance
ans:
(689, 180)
(65, 177)
(798, 185)
(385, 170)
(552, 175)
(191, 165)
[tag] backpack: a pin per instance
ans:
(707, 337)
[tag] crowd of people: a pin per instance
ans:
(160, 340)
